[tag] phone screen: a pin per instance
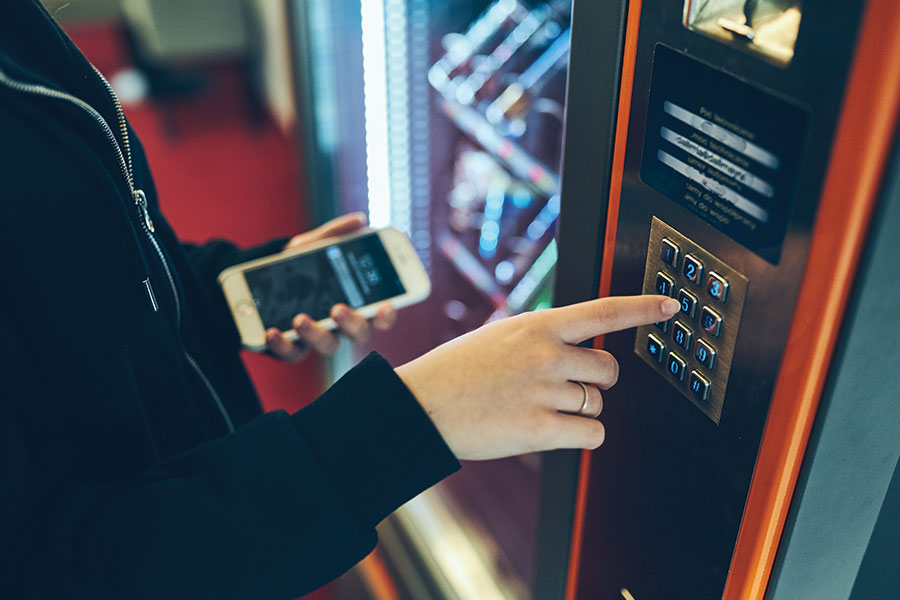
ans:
(356, 272)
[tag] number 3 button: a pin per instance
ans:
(717, 286)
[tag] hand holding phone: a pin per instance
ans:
(309, 336)
(357, 273)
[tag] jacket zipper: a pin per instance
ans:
(137, 196)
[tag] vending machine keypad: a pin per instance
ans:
(700, 339)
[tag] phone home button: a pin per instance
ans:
(245, 308)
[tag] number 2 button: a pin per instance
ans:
(693, 269)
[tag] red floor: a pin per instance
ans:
(221, 177)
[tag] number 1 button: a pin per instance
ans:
(669, 253)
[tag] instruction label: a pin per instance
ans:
(726, 150)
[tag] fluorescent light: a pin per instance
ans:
(376, 112)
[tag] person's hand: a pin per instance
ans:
(351, 324)
(511, 387)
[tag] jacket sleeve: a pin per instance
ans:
(274, 510)
(215, 256)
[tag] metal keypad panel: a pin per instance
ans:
(693, 351)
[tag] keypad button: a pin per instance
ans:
(717, 287)
(682, 335)
(655, 348)
(664, 284)
(699, 386)
(669, 253)
(711, 321)
(693, 269)
(706, 354)
(688, 303)
(663, 326)
(675, 365)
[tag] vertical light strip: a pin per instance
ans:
(397, 53)
(376, 112)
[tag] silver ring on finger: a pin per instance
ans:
(586, 400)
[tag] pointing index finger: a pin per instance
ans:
(585, 320)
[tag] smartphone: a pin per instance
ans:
(362, 270)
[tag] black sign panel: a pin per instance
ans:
(724, 149)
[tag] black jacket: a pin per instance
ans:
(120, 381)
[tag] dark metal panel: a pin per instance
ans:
(854, 446)
(598, 30)
(591, 105)
(667, 490)
(559, 477)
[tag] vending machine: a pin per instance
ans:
(742, 157)
(444, 120)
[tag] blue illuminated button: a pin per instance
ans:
(717, 286)
(693, 269)
(711, 321)
(664, 285)
(699, 386)
(682, 335)
(688, 303)
(676, 366)
(663, 326)
(706, 354)
(655, 348)
(669, 253)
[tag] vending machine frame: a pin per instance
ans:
(803, 473)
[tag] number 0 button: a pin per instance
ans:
(717, 286)
(676, 366)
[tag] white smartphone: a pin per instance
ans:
(362, 270)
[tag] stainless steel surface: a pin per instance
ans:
(730, 311)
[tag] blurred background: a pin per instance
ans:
(444, 119)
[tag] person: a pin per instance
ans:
(136, 460)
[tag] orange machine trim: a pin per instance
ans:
(377, 577)
(863, 143)
(615, 191)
